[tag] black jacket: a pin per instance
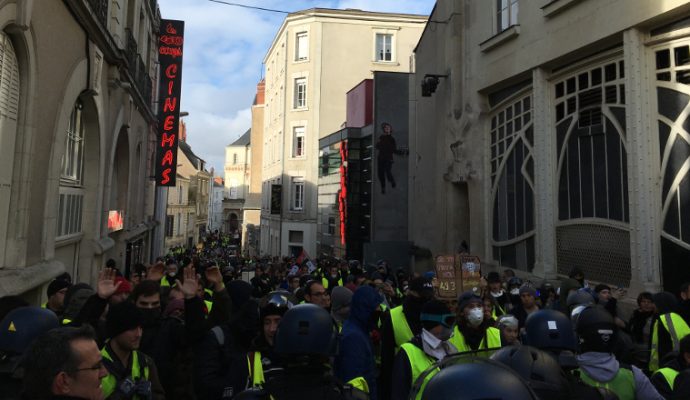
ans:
(220, 369)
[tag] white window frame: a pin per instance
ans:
(378, 55)
(297, 193)
(507, 12)
(300, 94)
(302, 46)
(71, 190)
(72, 168)
(299, 141)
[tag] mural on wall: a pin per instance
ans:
(387, 148)
(673, 102)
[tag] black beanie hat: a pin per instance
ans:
(57, 285)
(121, 318)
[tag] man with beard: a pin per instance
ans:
(400, 324)
(131, 373)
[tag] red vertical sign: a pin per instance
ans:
(170, 59)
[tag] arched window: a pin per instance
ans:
(9, 112)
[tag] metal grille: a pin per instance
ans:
(602, 252)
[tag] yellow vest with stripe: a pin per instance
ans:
(419, 362)
(401, 329)
(623, 384)
(109, 382)
(669, 374)
(491, 339)
(677, 329)
(256, 369)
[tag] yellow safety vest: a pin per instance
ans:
(325, 281)
(491, 339)
(677, 329)
(669, 374)
(401, 329)
(359, 383)
(109, 382)
(256, 369)
(623, 384)
(419, 362)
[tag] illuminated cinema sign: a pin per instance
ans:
(170, 59)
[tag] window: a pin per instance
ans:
(301, 46)
(73, 159)
(384, 47)
(71, 192)
(300, 100)
(234, 159)
(507, 14)
(298, 141)
(169, 225)
(179, 195)
(297, 191)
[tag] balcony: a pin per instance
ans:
(100, 10)
(137, 68)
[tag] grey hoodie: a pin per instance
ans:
(603, 367)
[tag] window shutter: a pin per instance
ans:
(9, 79)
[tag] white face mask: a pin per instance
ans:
(515, 291)
(475, 317)
(497, 294)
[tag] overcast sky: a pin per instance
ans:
(224, 47)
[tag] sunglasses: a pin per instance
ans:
(446, 320)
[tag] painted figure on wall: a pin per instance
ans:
(386, 147)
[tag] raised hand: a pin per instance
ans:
(190, 286)
(106, 285)
(156, 272)
(214, 277)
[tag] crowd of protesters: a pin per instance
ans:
(204, 323)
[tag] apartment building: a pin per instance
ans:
(316, 57)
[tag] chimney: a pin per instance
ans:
(260, 93)
(183, 131)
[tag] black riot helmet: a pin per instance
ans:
(539, 368)
(22, 325)
(306, 330)
(480, 379)
(596, 329)
(550, 330)
(276, 303)
(580, 297)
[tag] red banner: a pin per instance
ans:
(170, 59)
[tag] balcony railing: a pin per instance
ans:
(100, 9)
(137, 68)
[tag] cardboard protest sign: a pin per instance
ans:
(457, 274)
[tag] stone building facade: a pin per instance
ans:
(76, 138)
(556, 136)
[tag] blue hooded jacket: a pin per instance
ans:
(356, 356)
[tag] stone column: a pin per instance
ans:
(643, 165)
(545, 179)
